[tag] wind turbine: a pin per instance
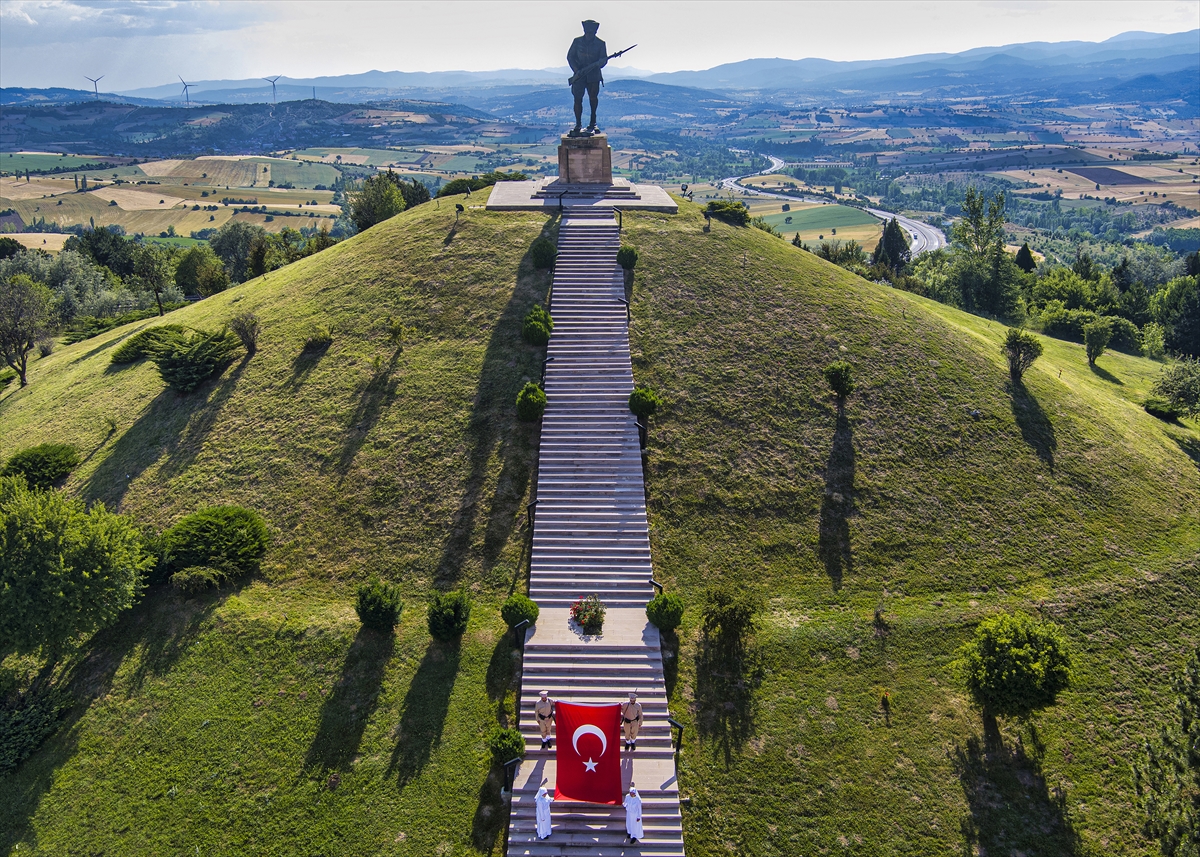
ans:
(271, 80)
(96, 84)
(186, 94)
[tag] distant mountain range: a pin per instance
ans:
(1146, 67)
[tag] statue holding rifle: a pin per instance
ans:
(586, 57)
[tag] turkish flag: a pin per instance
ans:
(588, 752)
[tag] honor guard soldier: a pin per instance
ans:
(631, 720)
(544, 709)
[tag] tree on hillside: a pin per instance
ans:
(1096, 337)
(233, 244)
(152, 271)
(1179, 384)
(105, 246)
(1167, 776)
(985, 276)
(201, 272)
(893, 247)
(1015, 665)
(1025, 260)
(64, 570)
(1021, 349)
(9, 247)
(377, 200)
(26, 315)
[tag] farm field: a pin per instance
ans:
(51, 242)
(13, 162)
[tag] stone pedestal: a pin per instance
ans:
(585, 160)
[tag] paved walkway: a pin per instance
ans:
(590, 537)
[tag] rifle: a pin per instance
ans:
(596, 66)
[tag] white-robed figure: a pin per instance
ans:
(542, 802)
(633, 814)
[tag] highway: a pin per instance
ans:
(922, 237)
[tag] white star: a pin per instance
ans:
(590, 765)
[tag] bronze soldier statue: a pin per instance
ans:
(587, 54)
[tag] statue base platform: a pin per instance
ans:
(585, 160)
(552, 192)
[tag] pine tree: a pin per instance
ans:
(1025, 260)
(892, 250)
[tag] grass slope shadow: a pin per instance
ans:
(837, 504)
(1036, 429)
(345, 712)
(728, 672)
(425, 708)
(493, 430)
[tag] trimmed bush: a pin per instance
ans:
(1164, 409)
(537, 326)
(378, 605)
(729, 211)
(643, 401)
(43, 465)
(245, 326)
(187, 361)
(665, 611)
(589, 613)
(449, 613)
(27, 722)
(1015, 665)
(531, 403)
(542, 253)
(519, 608)
(627, 257)
(230, 539)
(145, 343)
(1021, 349)
(197, 578)
(506, 744)
(839, 375)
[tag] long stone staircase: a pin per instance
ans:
(590, 537)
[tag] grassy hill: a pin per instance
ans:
(939, 497)
(263, 721)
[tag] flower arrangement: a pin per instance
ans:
(589, 613)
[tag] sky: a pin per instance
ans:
(136, 43)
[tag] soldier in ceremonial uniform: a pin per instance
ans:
(631, 720)
(544, 709)
(587, 50)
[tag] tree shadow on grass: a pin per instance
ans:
(1190, 447)
(345, 712)
(502, 674)
(491, 813)
(1036, 429)
(425, 707)
(727, 674)
(1101, 372)
(303, 364)
(374, 396)
(173, 426)
(1012, 809)
(158, 631)
(837, 505)
(494, 433)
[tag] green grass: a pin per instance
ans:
(939, 497)
(259, 720)
(14, 162)
(821, 217)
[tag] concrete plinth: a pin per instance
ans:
(585, 160)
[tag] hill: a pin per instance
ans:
(262, 721)
(938, 498)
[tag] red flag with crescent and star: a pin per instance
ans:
(588, 752)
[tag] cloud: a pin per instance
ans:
(70, 21)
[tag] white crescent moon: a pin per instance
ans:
(589, 729)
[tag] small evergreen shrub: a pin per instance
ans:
(643, 401)
(318, 338)
(627, 257)
(542, 253)
(1164, 409)
(1015, 665)
(839, 375)
(229, 539)
(245, 326)
(378, 605)
(729, 211)
(665, 611)
(531, 403)
(728, 613)
(27, 722)
(188, 361)
(537, 326)
(449, 613)
(195, 579)
(519, 608)
(45, 347)
(506, 744)
(145, 343)
(1021, 349)
(589, 612)
(43, 465)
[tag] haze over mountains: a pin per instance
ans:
(1149, 67)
